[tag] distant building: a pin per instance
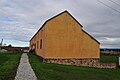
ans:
(14, 49)
(62, 40)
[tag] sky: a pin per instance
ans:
(21, 19)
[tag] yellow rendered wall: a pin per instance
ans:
(90, 47)
(36, 40)
(65, 39)
(62, 37)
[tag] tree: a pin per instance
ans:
(9, 45)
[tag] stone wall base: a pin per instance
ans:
(107, 65)
(90, 62)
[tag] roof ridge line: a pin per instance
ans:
(53, 18)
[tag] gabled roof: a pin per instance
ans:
(90, 36)
(58, 15)
(53, 18)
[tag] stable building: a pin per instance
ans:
(62, 40)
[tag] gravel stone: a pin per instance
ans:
(25, 72)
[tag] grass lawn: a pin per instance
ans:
(111, 59)
(8, 65)
(45, 71)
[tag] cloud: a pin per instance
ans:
(20, 19)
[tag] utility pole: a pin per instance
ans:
(1, 42)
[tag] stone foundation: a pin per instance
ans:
(107, 65)
(91, 62)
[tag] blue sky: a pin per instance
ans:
(20, 19)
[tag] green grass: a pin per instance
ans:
(106, 59)
(8, 65)
(45, 71)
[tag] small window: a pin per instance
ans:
(41, 44)
(37, 44)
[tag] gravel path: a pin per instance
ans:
(25, 72)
